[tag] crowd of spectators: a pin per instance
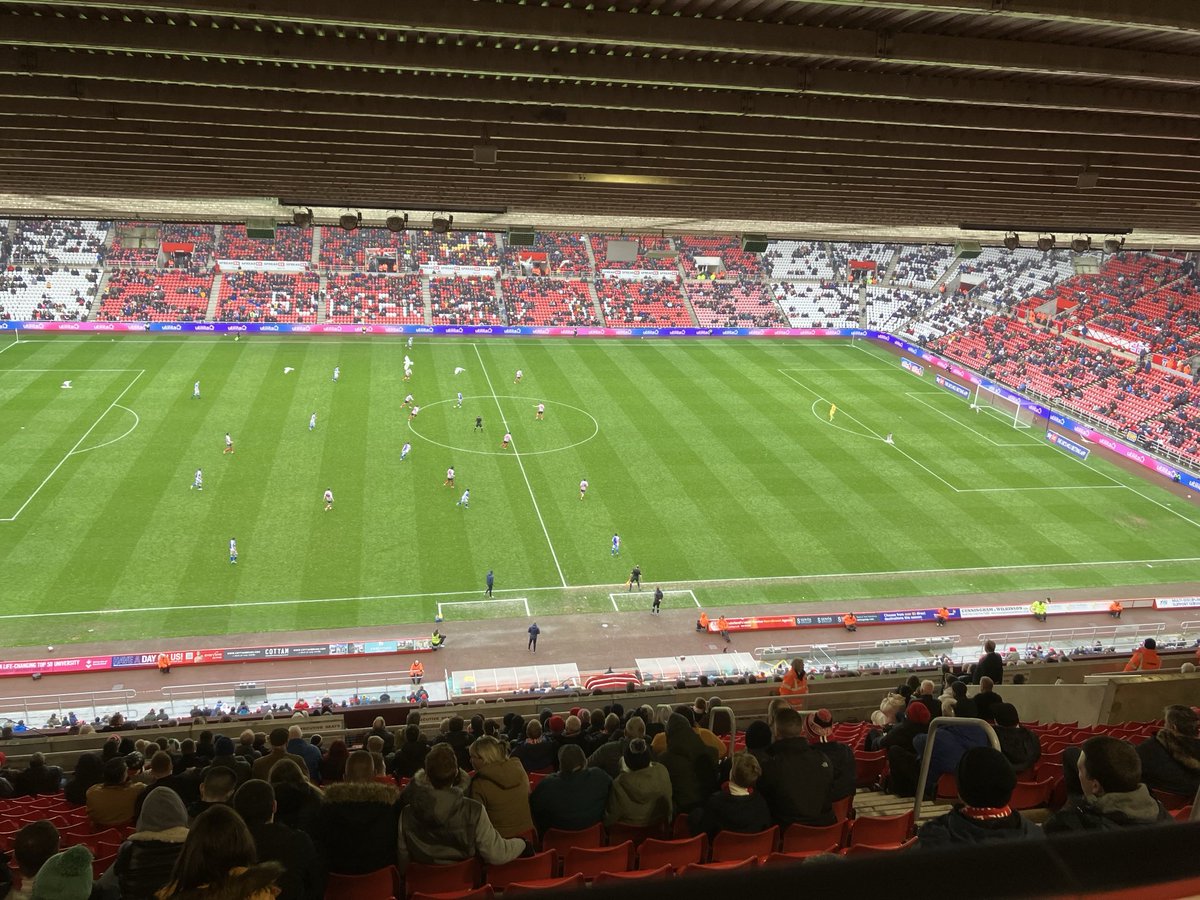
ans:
(290, 244)
(251, 296)
(922, 266)
(548, 301)
(44, 293)
(888, 307)
(363, 298)
(824, 305)
(455, 248)
(156, 295)
(647, 244)
(203, 239)
(341, 249)
(1002, 278)
(735, 262)
(57, 242)
(125, 250)
(559, 255)
(734, 304)
(465, 300)
(799, 259)
(645, 302)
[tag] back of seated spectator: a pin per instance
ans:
(32, 846)
(796, 780)
(641, 792)
(1104, 789)
(536, 753)
(737, 805)
(572, 798)
(215, 790)
(985, 784)
(356, 825)
(37, 778)
(112, 801)
(1171, 759)
(1019, 745)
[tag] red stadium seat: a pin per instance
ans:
(728, 846)
(662, 873)
(460, 876)
(870, 849)
(1031, 794)
(869, 767)
(881, 830)
(479, 893)
(568, 883)
(559, 841)
(589, 861)
(802, 838)
(653, 854)
(842, 808)
(618, 834)
(1171, 801)
(779, 859)
(731, 866)
(528, 868)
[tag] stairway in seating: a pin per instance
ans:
(214, 297)
(587, 246)
(315, 256)
(597, 308)
(97, 301)
(427, 299)
(323, 296)
(862, 305)
(504, 311)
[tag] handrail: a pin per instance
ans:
(1190, 625)
(928, 754)
(891, 644)
(1042, 636)
(60, 702)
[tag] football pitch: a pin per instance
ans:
(717, 463)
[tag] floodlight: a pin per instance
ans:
(349, 220)
(1081, 243)
(1113, 244)
(442, 223)
(302, 218)
(1012, 241)
(1045, 242)
(396, 222)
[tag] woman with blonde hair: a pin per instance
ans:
(501, 784)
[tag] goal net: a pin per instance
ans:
(1012, 412)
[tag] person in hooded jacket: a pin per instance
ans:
(903, 763)
(985, 785)
(641, 792)
(572, 798)
(736, 806)
(537, 753)
(818, 728)
(439, 825)
(690, 762)
(501, 784)
(146, 858)
(1018, 744)
(1104, 789)
(298, 800)
(796, 780)
(1171, 759)
(356, 824)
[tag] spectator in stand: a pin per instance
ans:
(1145, 658)
(953, 741)
(536, 753)
(162, 775)
(690, 761)
(278, 740)
(147, 857)
(225, 756)
(925, 695)
(311, 755)
(303, 872)
(736, 806)
(987, 699)
(356, 824)
(659, 744)
(440, 826)
(1171, 759)
(410, 755)
(1019, 745)
(333, 764)
(459, 741)
(990, 665)
(297, 800)
(610, 754)
(215, 790)
(245, 747)
(641, 793)
(985, 785)
(572, 798)
(796, 779)
(903, 761)
(964, 706)
(818, 726)
(89, 770)
(795, 684)
(218, 861)
(758, 740)
(65, 876)
(1104, 789)
(111, 802)
(379, 727)
(501, 784)
(37, 778)
(32, 845)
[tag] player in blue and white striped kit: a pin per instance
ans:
(198, 481)
(233, 551)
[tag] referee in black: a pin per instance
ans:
(635, 577)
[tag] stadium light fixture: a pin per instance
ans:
(302, 218)
(1012, 241)
(1081, 243)
(397, 223)
(442, 223)
(349, 220)
(1045, 243)
(1113, 244)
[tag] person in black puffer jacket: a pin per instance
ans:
(1171, 759)
(985, 783)
(736, 806)
(147, 856)
(356, 825)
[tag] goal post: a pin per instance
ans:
(1011, 411)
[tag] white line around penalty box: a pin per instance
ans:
(522, 600)
(613, 596)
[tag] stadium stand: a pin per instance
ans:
(57, 242)
(922, 266)
(943, 316)
(203, 239)
(1003, 277)
(362, 299)
(735, 262)
(888, 307)
(156, 295)
(734, 304)
(650, 302)
(465, 300)
(43, 293)
(819, 306)
(458, 248)
(880, 254)
(290, 244)
(268, 297)
(554, 254)
(341, 249)
(548, 301)
(646, 244)
(799, 259)
(119, 253)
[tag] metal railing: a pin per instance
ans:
(927, 756)
(25, 706)
(1080, 635)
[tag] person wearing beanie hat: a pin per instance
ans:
(985, 784)
(758, 739)
(903, 761)
(818, 727)
(1019, 745)
(226, 755)
(641, 793)
(65, 876)
(556, 726)
(146, 858)
(737, 806)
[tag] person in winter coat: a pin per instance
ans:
(147, 857)
(356, 824)
(297, 800)
(951, 743)
(333, 763)
(459, 741)
(903, 763)
(409, 757)
(641, 792)
(609, 755)
(572, 798)
(1104, 789)
(1145, 658)
(1171, 759)
(818, 727)
(218, 862)
(985, 784)
(990, 665)
(303, 875)
(537, 753)
(796, 779)
(89, 770)
(439, 825)
(736, 806)
(690, 762)
(501, 784)
(1019, 745)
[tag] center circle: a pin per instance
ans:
(492, 399)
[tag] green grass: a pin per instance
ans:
(715, 461)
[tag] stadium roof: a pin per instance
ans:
(673, 115)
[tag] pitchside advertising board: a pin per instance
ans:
(912, 366)
(1080, 430)
(1065, 443)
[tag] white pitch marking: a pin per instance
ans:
(614, 595)
(137, 420)
(521, 600)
